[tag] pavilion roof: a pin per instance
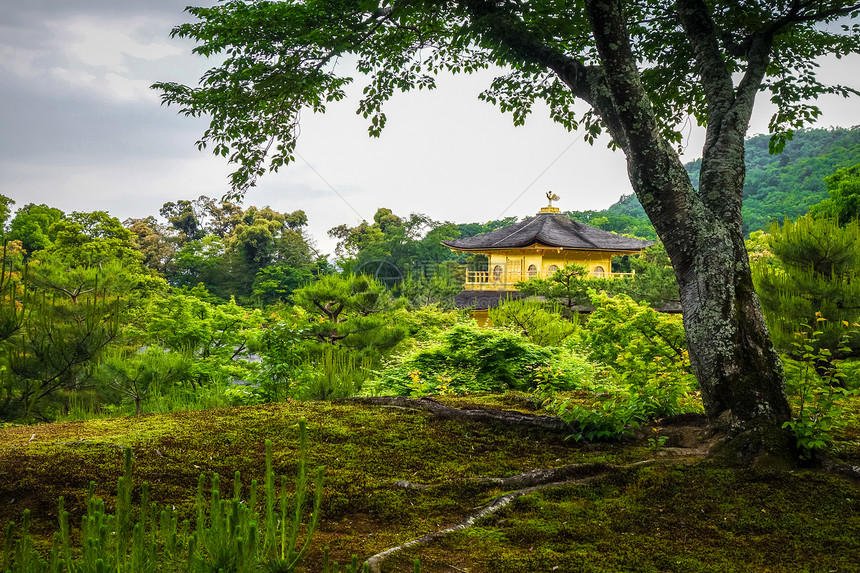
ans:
(553, 230)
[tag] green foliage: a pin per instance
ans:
(53, 336)
(200, 262)
(467, 359)
(281, 364)
(844, 201)
(152, 242)
(436, 285)
(229, 535)
(254, 254)
(638, 341)
(569, 286)
(787, 185)
(615, 418)
(405, 254)
(618, 415)
(275, 283)
(5, 210)
(264, 238)
(289, 70)
(648, 370)
(290, 369)
(540, 323)
(654, 279)
(657, 442)
(94, 238)
(816, 390)
(32, 225)
(812, 273)
(474, 229)
(641, 68)
(214, 337)
(355, 312)
(182, 216)
(781, 186)
(101, 401)
(335, 373)
(617, 219)
(138, 375)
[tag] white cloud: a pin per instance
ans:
(109, 42)
(74, 78)
(121, 88)
(17, 60)
(110, 86)
(100, 57)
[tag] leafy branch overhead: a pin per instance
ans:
(279, 58)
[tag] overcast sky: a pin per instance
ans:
(81, 130)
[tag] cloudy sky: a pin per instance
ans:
(81, 130)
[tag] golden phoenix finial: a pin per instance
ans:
(552, 197)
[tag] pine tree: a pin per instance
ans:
(812, 275)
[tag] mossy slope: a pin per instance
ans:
(686, 516)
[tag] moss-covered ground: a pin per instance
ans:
(681, 514)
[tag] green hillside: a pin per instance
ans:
(778, 186)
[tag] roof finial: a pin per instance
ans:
(551, 197)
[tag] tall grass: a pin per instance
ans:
(163, 400)
(229, 535)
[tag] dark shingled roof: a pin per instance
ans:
(550, 229)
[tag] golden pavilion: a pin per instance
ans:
(537, 247)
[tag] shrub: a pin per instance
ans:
(647, 370)
(645, 349)
(467, 358)
(293, 367)
(815, 387)
(539, 322)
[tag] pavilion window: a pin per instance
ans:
(497, 274)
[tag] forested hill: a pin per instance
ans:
(782, 185)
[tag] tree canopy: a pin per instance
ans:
(844, 200)
(641, 68)
(281, 57)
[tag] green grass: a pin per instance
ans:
(675, 516)
(171, 398)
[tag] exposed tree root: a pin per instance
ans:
(440, 410)
(565, 475)
(840, 468)
(527, 479)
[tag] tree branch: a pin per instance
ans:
(717, 81)
(585, 82)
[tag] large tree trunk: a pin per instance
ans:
(739, 373)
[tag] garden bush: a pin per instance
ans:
(641, 346)
(467, 359)
(540, 322)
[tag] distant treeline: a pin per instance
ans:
(777, 187)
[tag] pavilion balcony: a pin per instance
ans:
(507, 280)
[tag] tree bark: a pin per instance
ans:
(739, 372)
